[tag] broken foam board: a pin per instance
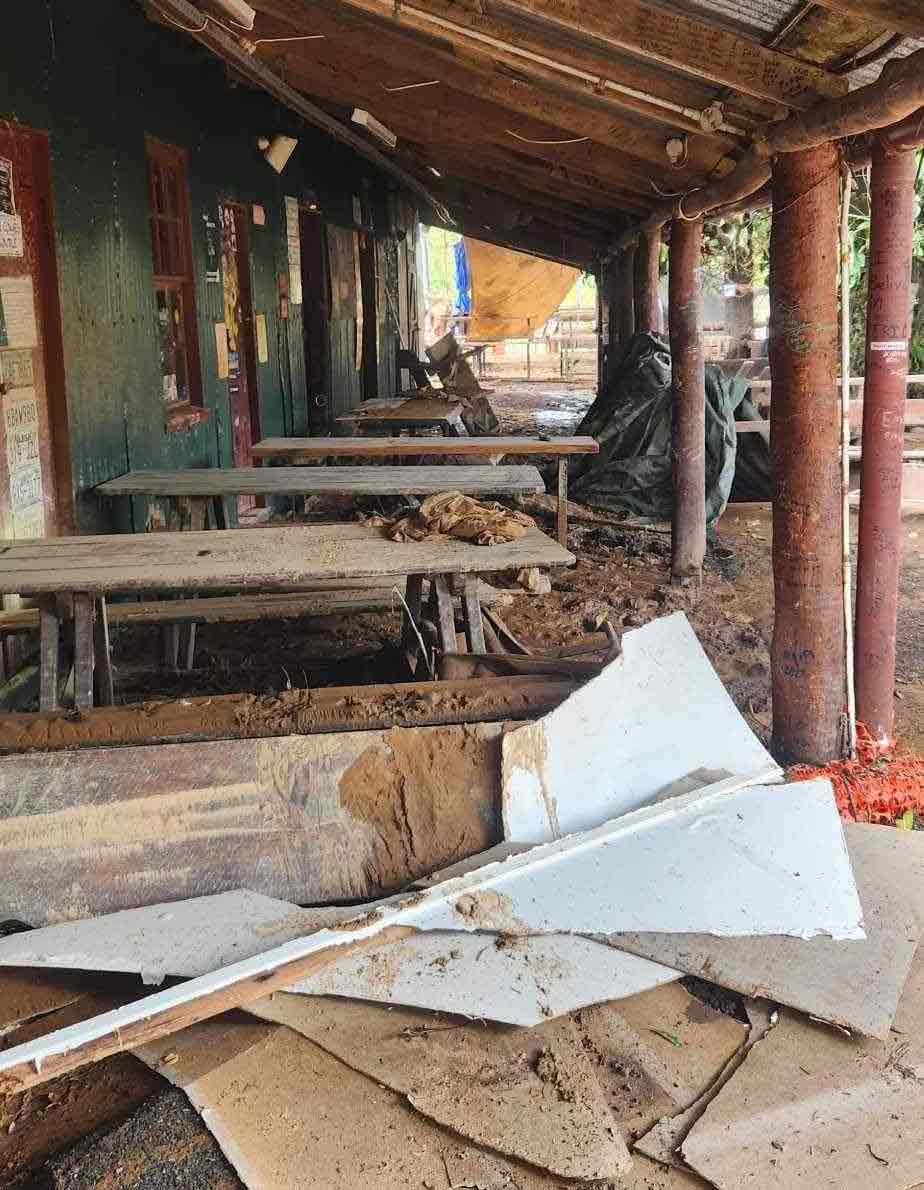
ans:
(810, 1107)
(766, 860)
(854, 984)
(655, 715)
(518, 981)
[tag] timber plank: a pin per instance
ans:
(235, 609)
(374, 448)
(300, 712)
(314, 481)
(308, 819)
(250, 558)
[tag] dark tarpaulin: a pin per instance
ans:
(631, 419)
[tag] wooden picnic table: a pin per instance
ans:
(71, 577)
(304, 450)
(410, 413)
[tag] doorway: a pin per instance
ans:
(35, 488)
(243, 395)
(315, 319)
(367, 315)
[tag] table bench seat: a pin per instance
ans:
(71, 578)
(206, 482)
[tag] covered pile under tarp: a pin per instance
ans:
(631, 419)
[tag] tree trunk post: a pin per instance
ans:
(647, 302)
(688, 417)
(888, 319)
(807, 656)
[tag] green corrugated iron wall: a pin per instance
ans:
(98, 76)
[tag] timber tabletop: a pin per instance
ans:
(323, 448)
(246, 558)
(342, 481)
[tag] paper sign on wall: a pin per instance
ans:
(294, 242)
(18, 316)
(221, 349)
(21, 433)
(11, 243)
(262, 341)
(210, 229)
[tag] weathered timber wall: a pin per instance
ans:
(98, 77)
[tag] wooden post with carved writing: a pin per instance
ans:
(888, 319)
(807, 656)
(647, 269)
(688, 419)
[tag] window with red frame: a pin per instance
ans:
(174, 284)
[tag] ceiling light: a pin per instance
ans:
(277, 151)
(376, 127)
(433, 170)
(238, 10)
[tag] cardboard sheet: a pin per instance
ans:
(855, 984)
(528, 1094)
(655, 715)
(810, 1108)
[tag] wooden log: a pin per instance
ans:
(305, 712)
(807, 654)
(688, 410)
(309, 819)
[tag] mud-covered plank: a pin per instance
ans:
(302, 818)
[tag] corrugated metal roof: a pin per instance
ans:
(759, 18)
(869, 74)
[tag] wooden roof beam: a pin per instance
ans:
(895, 98)
(618, 82)
(591, 166)
(576, 105)
(590, 34)
(904, 16)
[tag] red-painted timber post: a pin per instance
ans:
(624, 295)
(888, 318)
(688, 429)
(807, 656)
(647, 272)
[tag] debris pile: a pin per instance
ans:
(524, 1017)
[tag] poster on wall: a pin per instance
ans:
(11, 243)
(294, 242)
(17, 313)
(21, 434)
(212, 266)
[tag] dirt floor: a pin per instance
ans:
(622, 575)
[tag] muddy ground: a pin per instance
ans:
(622, 574)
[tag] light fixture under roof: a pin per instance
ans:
(239, 11)
(433, 170)
(376, 127)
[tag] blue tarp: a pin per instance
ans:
(463, 279)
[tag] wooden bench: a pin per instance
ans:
(71, 577)
(305, 450)
(410, 413)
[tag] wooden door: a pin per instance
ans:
(35, 499)
(243, 398)
(315, 320)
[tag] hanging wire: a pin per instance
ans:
(411, 86)
(527, 140)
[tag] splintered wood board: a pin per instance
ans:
(374, 448)
(325, 481)
(250, 558)
(304, 819)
